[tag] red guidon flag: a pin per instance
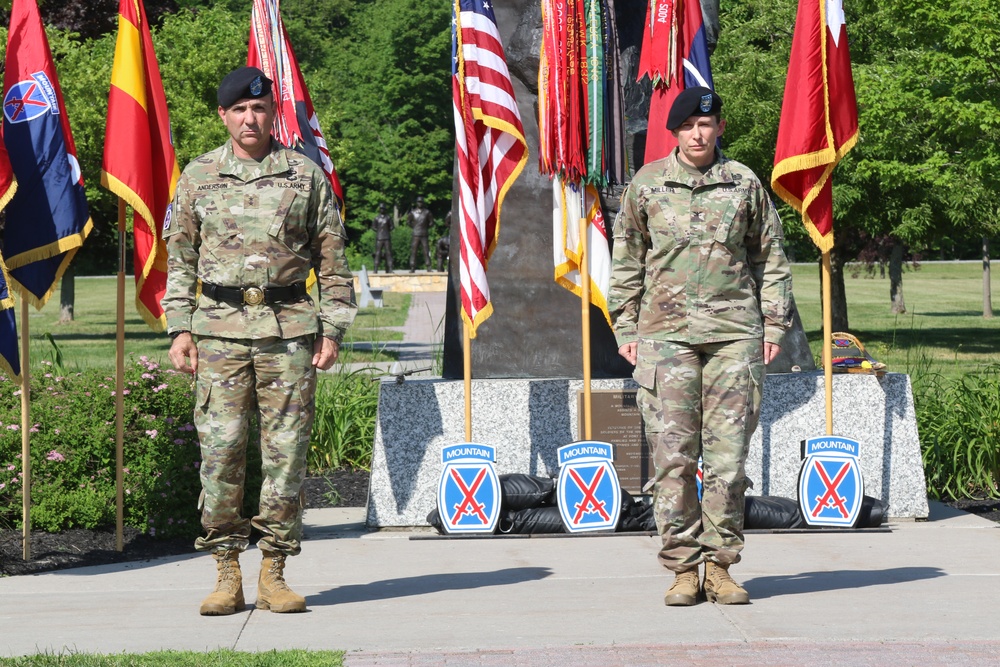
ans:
(295, 124)
(562, 90)
(139, 161)
(819, 116)
(490, 146)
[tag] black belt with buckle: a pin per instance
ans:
(253, 296)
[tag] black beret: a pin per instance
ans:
(243, 83)
(697, 101)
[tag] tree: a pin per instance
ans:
(394, 76)
(926, 166)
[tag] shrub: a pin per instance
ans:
(344, 430)
(959, 425)
(73, 457)
(73, 450)
(73, 447)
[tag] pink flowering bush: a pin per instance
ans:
(73, 458)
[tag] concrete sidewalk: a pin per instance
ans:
(923, 594)
(423, 337)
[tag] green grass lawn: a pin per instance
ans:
(220, 658)
(943, 329)
(943, 326)
(89, 340)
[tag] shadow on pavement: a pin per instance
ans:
(426, 584)
(813, 582)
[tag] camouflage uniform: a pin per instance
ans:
(699, 280)
(240, 223)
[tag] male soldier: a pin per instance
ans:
(383, 224)
(420, 219)
(700, 294)
(249, 221)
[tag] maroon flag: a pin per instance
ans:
(295, 124)
(691, 68)
(819, 116)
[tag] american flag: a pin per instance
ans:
(489, 140)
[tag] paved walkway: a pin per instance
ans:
(923, 594)
(423, 338)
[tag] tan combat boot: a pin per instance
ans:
(720, 587)
(227, 598)
(684, 591)
(272, 591)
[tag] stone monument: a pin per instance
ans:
(535, 330)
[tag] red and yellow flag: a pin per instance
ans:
(139, 161)
(819, 116)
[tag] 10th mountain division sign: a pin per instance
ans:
(589, 494)
(469, 491)
(830, 485)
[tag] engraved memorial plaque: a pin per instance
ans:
(615, 418)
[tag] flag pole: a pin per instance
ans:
(585, 310)
(827, 349)
(467, 372)
(25, 431)
(120, 385)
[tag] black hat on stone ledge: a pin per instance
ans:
(697, 101)
(243, 83)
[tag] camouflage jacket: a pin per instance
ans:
(698, 259)
(264, 226)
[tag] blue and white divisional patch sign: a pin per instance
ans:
(469, 492)
(830, 484)
(588, 490)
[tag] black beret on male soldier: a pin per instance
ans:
(697, 101)
(241, 84)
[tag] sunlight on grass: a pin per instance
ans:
(943, 329)
(89, 340)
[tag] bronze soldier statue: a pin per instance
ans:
(420, 219)
(383, 226)
(443, 245)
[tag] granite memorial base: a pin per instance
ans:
(528, 419)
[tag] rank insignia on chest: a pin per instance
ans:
(469, 491)
(588, 491)
(830, 484)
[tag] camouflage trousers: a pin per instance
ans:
(276, 377)
(699, 400)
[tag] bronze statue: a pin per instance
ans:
(383, 225)
(443, 245)
(420, 219)
(443, 248)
